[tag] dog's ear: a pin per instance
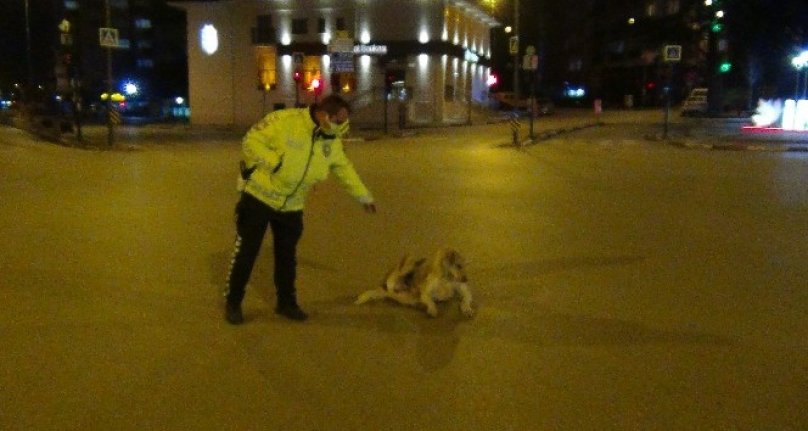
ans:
(404, 262)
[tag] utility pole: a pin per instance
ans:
(28, 48)
(110, 126)
(516, 54)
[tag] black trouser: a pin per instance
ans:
(252, 217)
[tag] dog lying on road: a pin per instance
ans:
(422, 282)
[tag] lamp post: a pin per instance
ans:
(800, 63)
(516, 54)
(28, 44)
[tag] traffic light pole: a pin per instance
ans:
(516, 54)
(110, 125)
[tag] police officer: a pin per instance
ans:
(284, 155)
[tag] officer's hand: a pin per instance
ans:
(370, 208)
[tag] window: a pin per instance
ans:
(340, 24)
(71, 4)
(321, 25)
(142, 23)
(650, 9)
(145, 63)
(266, 57)
(673, 7)
(300, 26)
(263, 33)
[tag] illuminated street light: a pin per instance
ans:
(508, 29)
(130, 88)
(800, 62)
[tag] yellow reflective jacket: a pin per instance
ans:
(287, 155)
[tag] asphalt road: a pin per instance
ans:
(620, 283)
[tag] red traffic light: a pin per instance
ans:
(297, 75)
(317, 85)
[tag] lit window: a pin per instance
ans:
(143, 23)
(266, 59)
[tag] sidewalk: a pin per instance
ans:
(730, 134)
(694, 133)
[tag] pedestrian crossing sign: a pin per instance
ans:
(108, 37)
(673, 53)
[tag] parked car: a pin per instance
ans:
(696, 103)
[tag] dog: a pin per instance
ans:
(422, 283)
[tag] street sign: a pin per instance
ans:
(530, 62)
(341, 44)
(513, 45)
(342, 62)
(673, 53)
(108, 37)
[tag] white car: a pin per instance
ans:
(696, 103)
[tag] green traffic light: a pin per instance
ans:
(717, 27)
(725, 67)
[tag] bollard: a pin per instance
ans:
(515, 128)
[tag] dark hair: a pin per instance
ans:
(332, 103)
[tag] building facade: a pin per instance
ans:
(406, 63)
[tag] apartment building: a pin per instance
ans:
(414, 62)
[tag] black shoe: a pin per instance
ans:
(232, 313)
(292, 312)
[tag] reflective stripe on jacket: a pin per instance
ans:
(288, 155)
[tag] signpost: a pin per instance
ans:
(530, 63)
(108, 38)
(672, 54)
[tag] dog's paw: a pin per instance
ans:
(467, 310)
(361, 299)
(432, 311)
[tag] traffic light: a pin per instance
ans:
(67, 59)
(316, 86)
(493, 80)
(297, 75)
(392, 77)
(725, 66)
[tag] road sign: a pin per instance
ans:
(341, 44)
(108, 37)
(513, 45)
(530, 62)
(342, 62)
(673, 53)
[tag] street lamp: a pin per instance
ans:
(800, 62)
(28, 43)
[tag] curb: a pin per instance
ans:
(732, 146)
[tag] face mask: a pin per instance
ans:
(337, 130)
